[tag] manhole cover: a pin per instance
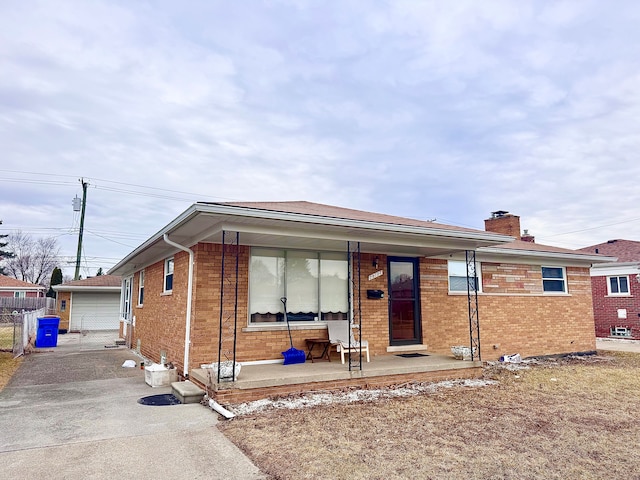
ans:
(159, 400)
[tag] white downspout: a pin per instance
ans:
(187, 334)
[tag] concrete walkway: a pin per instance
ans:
(74, 414)
(619, 345)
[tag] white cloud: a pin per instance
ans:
(425, 109)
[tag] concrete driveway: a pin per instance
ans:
(70, 414)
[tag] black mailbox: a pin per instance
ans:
(377, 294)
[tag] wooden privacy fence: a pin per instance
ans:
(12, 304)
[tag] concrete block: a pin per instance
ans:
(187, 392)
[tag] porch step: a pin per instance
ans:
(187, 392)
(407, 349)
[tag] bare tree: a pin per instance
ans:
(33, 259)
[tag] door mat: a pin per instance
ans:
(160, 400)
(411, 355)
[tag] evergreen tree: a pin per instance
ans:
(3, 253)
(56, 279)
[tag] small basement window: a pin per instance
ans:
(620, 332)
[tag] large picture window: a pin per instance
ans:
(315, 285)
(553, 280)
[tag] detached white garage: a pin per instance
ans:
(95, 311)
(91, 304)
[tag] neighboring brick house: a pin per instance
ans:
(616, 289)
(89, 304)
(217, 263)
(11, 287)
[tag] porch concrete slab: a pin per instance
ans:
(272, 375)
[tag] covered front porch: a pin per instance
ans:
(258, 381)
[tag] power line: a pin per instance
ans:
(93, 179)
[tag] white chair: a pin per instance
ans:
(339, 333)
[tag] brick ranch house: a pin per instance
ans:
(207, 287)
(14, 288)
(616, 289)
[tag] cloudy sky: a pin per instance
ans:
(442, 110)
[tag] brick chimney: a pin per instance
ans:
(527, 238)
(503, 222)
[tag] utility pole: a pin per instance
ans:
(84, 204)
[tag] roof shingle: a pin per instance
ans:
(98, 281)
(625, 250)
(10, 282)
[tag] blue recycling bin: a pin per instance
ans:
(47, 334)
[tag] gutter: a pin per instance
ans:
(187, 333)
(577, 256)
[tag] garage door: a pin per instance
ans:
(95, 311)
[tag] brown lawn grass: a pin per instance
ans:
(6, 337)
(8, 366)
(566, 419)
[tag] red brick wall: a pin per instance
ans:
(511, 278)
(528, 322)
(160, 322)
(605, 307)
(375, 312)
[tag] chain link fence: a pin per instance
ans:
(18, 329)
(98, 337)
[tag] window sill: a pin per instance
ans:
(140, 305)
(168, 292)
(283, 326)
(619, 295)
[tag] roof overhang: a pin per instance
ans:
(35, 288)
(615, 268)
(551, 257)
(268, 228)
(88, 289)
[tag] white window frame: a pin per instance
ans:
(563, 280)
(169, 267)
(19, 294)
(126, 294)
(141, 288)
(462, 265)
(618, 293)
